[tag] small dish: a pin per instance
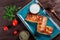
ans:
(34, 8)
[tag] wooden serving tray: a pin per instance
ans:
(32, 26)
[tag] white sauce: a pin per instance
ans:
(34, 8)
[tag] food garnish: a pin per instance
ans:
(9, 12)
(15, 22)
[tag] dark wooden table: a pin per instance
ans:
(8, 35)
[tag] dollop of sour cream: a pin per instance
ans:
(34, 8)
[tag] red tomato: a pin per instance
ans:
(5, 28)
(15, 22)
(15, 32)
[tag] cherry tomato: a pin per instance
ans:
(15, 22)
(15, 32)
(5, 28)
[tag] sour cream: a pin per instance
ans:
(34, 8)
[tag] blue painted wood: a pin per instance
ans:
(32, 26)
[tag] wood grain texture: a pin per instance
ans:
(8, 35)
(52, 4)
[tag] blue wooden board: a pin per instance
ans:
(32, 26)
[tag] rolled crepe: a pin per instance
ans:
(43, 25)
(34, 18)
(47, 31)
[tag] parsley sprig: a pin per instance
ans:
(9, 12)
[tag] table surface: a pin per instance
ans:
(8, 35)
(56, 6)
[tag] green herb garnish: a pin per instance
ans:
(9, 12)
